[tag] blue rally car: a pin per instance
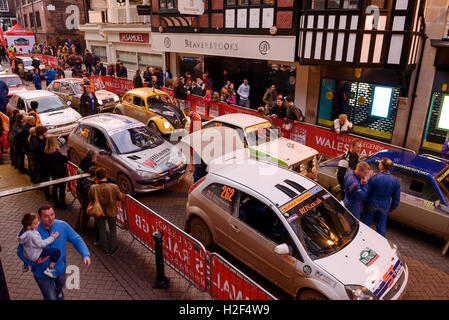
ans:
(424, 189)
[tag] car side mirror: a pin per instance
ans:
(105, 153)
(282, 249)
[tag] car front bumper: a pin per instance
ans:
(62, 130)
(160, 183)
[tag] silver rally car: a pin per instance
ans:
(135, 157)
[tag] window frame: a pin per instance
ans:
(326, 6)
(236, 196)
(91, 139)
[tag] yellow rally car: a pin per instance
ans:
(154, 108)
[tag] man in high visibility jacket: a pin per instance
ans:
(34, 105)
(86, 83)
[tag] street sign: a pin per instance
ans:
(143, 10)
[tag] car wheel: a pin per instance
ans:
(309, 294)
(153, 127)
(200, 231)
(74, 157)
(124, 184)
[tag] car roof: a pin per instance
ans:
(266, 179)
(145, 92)
(240, 120)
(109, 121)
(35, 94)
(9, 75)
(71, 80)
(412, 162)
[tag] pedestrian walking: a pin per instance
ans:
(243, 92)
(34, 247)
(137, 80)
(4, 91)
(37, 149)
(107, 195)
(348, 161)
(384, 194)
(37, 79)
(57, 164)
(20, 134)
(356, 188)
(52, 289)
(89, 161)
(180, 93)
(89, 103)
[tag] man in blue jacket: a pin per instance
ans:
(4, 90)
(384, 194)
(356, 188)
(37, 79)
(50, 75)
(52, 288)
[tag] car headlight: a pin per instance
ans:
(146, 174)
(396, 250)
(356, 292)
(100, 102)
(166, 125)
(116, 99)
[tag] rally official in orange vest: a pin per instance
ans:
(33, 112)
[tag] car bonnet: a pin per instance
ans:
(157, 160)
(59, 117)
(368, 261)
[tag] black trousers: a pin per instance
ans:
(58, 194)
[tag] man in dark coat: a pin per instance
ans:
(122, 72)
(137, 80)
(88, 61)
(89, 103)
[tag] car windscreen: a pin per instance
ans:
(12, 82)
(135, 139)
(443, 180)
(261, 133)
(78, 87)
(320, 222)
(47, 104)
(27, 63)
(158, 98)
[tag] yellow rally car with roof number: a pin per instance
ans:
(155, 108)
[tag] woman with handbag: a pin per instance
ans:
(103, 207)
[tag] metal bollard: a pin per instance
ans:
(4, 293)
(161, 281)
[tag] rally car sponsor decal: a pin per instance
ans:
(300, 199)
(444, 175)
(389, 277)
(258, 127)
(292, 218)
(326, 279)
(368, 256)
(131, 126)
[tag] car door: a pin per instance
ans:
(138, 109)
(417, 206)
(80, 143)
(254, 231)
(74, 97)
(100, 142)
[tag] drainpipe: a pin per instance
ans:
(423, 38)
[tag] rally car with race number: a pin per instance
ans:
(71, 89)
(265, 142)
(54, 113)
(293, 232)
(154, 108)
(134, 156)
(424, 180)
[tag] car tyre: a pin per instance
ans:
(309, 294)
(154, 127)
(74, 157)
(200, 231)
(125, 185)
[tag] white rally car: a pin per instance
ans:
(264, 141)
(293, 232)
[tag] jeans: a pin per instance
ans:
(108, 243)
(52, 288)
(53, 253)
(244, 102)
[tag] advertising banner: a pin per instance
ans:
(116, 85)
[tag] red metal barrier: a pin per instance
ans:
(72, 169)
(116, 85)
(228, 283)
(47, 60)
(182, 253)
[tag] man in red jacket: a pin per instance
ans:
(195, 125)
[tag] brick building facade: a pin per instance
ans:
(49, 20)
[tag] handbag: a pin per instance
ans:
(94, 208)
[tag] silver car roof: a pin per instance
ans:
(111, 122)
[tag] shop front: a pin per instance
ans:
(369, 97)
(263, 60)
(129, 45)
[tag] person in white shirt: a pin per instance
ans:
(342, 124)
(243, 92)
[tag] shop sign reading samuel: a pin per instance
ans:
(279, 48)
(135, 37)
